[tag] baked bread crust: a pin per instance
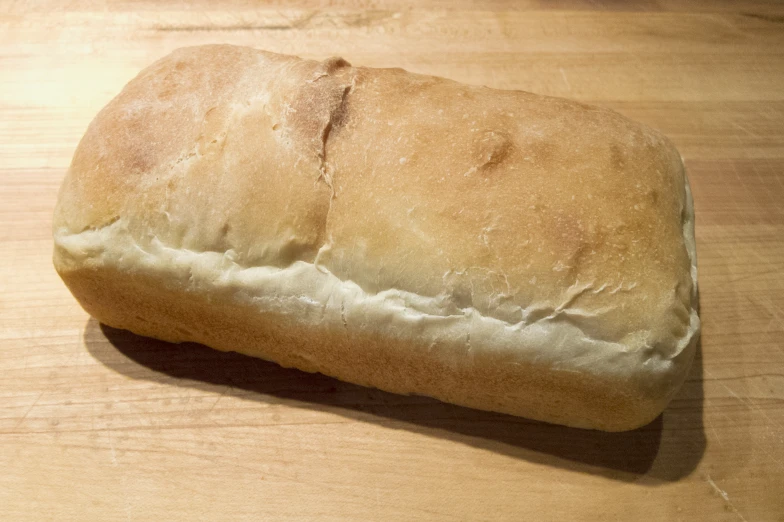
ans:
(494, 249)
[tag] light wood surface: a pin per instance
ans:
(97, 424)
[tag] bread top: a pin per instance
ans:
(518, 208)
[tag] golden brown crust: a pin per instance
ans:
(508, 198)
(527, 254)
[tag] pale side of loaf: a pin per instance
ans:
(494, 249)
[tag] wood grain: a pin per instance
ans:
(97, 424)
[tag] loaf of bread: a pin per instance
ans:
(494, 249)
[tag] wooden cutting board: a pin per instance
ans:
(97, 424)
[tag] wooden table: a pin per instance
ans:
(98, 424)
